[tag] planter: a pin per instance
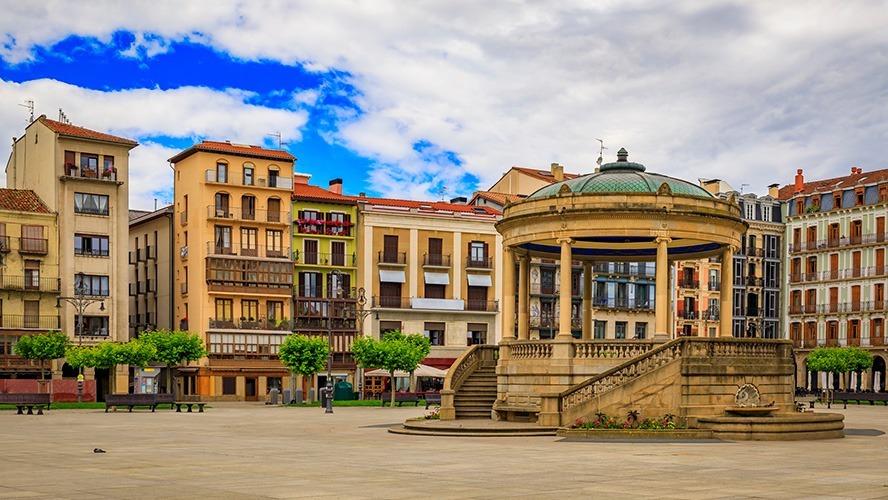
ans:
(634, 434)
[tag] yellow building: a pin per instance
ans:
(431, 267)
(30, 277)
(234, 269)
(82, 175)
(324, 253)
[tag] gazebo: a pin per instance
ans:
(622, 212)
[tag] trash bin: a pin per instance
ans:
(343, 391)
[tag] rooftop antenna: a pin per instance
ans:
(63, 117)
(280, 140)
(600, 152)
(441, 190)
(30, 105)
(743, 186)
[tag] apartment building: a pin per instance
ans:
(432, 268)
(757, 274)
(837, 270)
(30, 278)
(83, 176)
(151, 270)
(623, 292)
(325, 295)
(233, 269)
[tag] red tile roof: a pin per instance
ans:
(498, 198)
(316, 193)
(235, 149)
(74, 131)
(834, 184)
(21, 200)
(430, 205)
(544, 175)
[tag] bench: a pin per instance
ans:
(400, 398)
(133, 400)
(801, 401)
(432, 398)
(27, 401)
(189, 405)
(857, 397)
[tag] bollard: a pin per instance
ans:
(273, 396)
(286, 396)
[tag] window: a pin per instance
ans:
(337, 253)
(766, 212)
(92, 284)
(248, 207)
(224, 309)
(476, 333)
(641, 330)
(274, 242)
(221, 172)
(436, 248)
(90, 245)
(435, 333)
(275, 309)
(222, 205)
(433, 291)
(32, 274)
(478, 254)
(477, 298)
(249, 241)
(310, 249)
(390, 249)
(272, 178)
(32, 314)
(389, 326)
(310, 284)
(547, 281)
(274, 210)
(620, 330)
(575, 283)
(248, 174)
(223, 239)
(89, 165)
(250, 310)
(108, 165)
(600, 329)
(750, 210)
(92, 204)
(95, 326)
(229, 386)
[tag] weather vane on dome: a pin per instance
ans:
(600, 152)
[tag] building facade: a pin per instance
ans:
(151, 271)
(836, 268)
(325, 260)
(233, 266)
(83, 176)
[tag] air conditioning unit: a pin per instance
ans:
(262, 181)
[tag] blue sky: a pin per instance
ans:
(435, 100)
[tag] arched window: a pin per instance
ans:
(248, 207)
(222, 206)
(249, 174)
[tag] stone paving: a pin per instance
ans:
(248, 450)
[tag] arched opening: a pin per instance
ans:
(69, 371)
(878, 374)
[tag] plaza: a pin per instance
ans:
(238, 450)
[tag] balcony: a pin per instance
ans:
(28, 321)
(856, 306)
(479, 263)
(435, 304)
(150, 252)
(390, 302)
(29, 283)
(319, 292)
(4, 244)
(249, 251)
(325, 259)
(275, 182)
(435, 260)
(755, 252)
(92, 173)
(183, 288)
(133, 289)
(739, 280)
(392, 258)
(244, 214)
(714, 285)
(623, 303)
(689, 283)
(711, 314)
(282, 324)
(36, 246)
(688, 314)
(324, 227)
(482, 305)
(183, 218)
(15, 363)
(853, 273)
(754, 281)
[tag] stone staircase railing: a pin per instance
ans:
(472, 359)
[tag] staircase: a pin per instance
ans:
(477, 394)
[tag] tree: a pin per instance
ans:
(303, 355)
(395, 352)
(859, 360)
(47, 346)
(174, 348)
(839, 360)
(136, 353)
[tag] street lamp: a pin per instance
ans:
(360, 314)
(328, 389)
(80, 303)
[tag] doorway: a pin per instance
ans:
(250, 393)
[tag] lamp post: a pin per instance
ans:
(328, 389)
(360, 314)
(80, 302)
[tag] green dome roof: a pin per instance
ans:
(622, 176)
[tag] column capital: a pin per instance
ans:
(562, 241)
(662, 239)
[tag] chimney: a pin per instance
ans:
(300, 178)
(799, 181)
(856, 170)
(459, 200)
(336, 186)
(557, 172)
(773, 190)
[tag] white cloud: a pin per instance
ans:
(747, 92)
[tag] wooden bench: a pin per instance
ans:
(27, 401)
(133, 400)
(189, 405)
(432, 398)
(400, 398)
(801, 401)
(857, 397)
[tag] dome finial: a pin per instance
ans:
(622, 155)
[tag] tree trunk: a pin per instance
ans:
(392, 404)
(171, 381)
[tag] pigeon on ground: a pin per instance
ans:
(98, 450)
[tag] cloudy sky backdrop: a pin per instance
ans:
(433, 100)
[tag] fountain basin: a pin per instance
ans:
(776, 427)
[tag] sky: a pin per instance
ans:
(433, 100)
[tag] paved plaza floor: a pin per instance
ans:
(255, 451)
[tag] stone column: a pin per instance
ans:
(508, 294)
(564, 292)
(726, 311)
(661, 307)
(523, 296)
(587, 300)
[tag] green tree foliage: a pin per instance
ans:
(136, 353)
(174, 348)
(79, 356)
(839, 360)
(303, 355)
(50, 345)
(394, 352)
